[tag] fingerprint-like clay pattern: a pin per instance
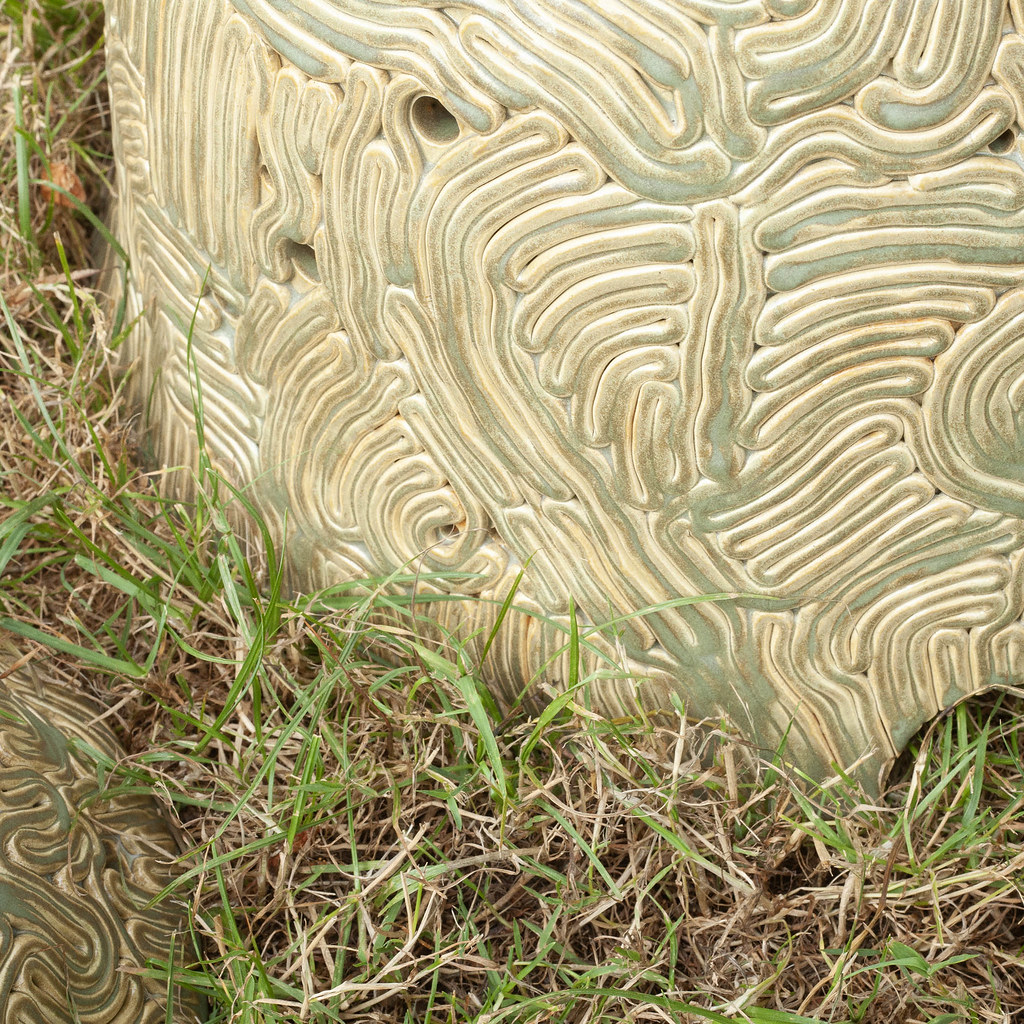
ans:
(658, 298)
(78, 868)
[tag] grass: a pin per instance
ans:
(371, 840)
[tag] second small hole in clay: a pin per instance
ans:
(434, 121)
(1003, 143)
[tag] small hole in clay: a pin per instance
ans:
(434, 121)
(304, 257)
(1003, 143)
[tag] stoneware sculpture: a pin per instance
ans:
(79, 866)
(657, 298)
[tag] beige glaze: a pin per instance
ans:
(659, 298)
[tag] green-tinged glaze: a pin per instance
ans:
(655, 298)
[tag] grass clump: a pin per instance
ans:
(370, 842)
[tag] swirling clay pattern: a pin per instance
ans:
(78, 867)
(658, 298)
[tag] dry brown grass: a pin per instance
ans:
(366, 849)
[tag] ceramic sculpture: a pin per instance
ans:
(659, 298)
(78, 868)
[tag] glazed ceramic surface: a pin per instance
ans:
(659, 298)
(78, 867)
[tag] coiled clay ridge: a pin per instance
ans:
(658, 298)
(78, 869)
